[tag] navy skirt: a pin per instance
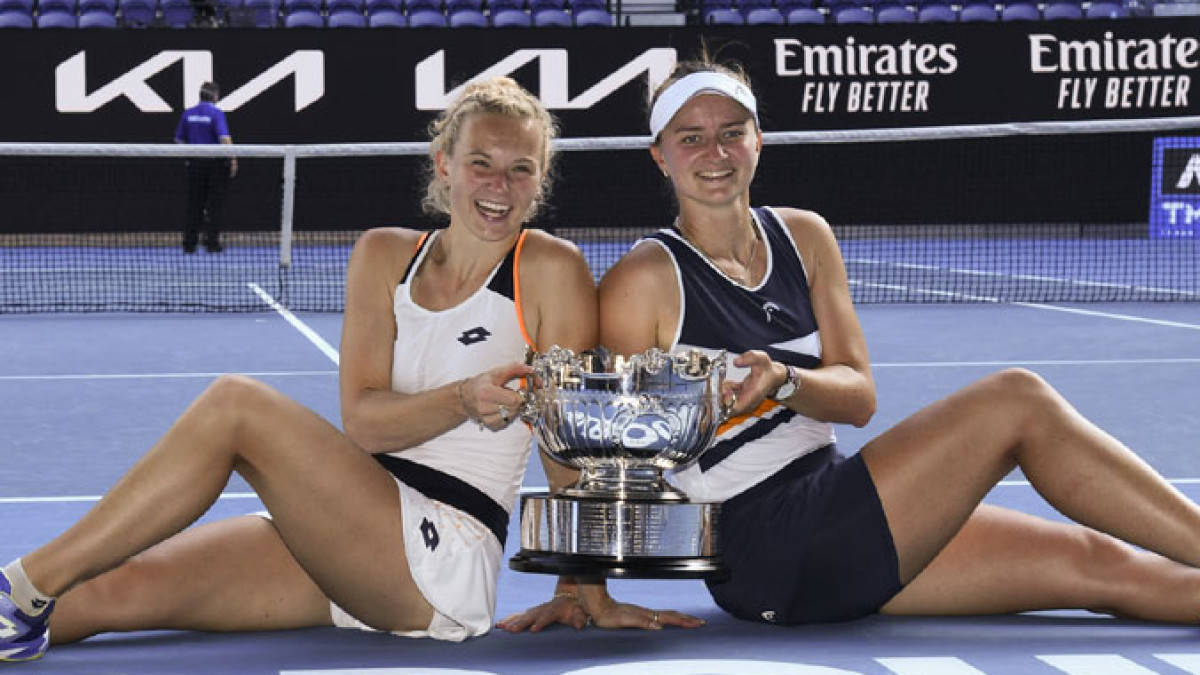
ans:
(809, 544)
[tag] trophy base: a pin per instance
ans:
(541, 562)
(648, 539)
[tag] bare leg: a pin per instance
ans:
(933, 469)
(1004, 561)
(231, 575)
(336, 509)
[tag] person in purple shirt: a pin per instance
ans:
(208, 177)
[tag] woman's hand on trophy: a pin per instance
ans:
(486, 400)
(563, 608)
(763, 380)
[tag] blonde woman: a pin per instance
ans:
(396, 524)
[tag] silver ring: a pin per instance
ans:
(503, 410)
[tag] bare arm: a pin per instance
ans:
(375, 417)
(841, 389)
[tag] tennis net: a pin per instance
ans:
(1038, 212)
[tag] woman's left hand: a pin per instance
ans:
(764, 379)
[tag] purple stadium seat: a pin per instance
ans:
(1107, 10)
(15, 18)
(895, 14)
(724, 17)
(511, 18)
(802, 15)
(303, 18)
(853, 15)
(551, 18)
(346, 17)
(467, 17)
(978, 12)
(937, 14)
(1020, 11)
(1063, 10)
(764, 16)
(97, 18)
(592, 16)
(137, 13)
(387, 18)
(56, 18)
(426, 18)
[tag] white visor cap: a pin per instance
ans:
(706, 82)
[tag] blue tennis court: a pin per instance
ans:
(82, 396)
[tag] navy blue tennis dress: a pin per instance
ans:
(802, 529)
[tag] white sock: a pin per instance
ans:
(27, 598)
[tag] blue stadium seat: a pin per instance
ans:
(592, 16)
(56, 5)
(802, 15)
(1063, 10)
(177, 13)
(390, 5)
(786, 6)
(853, 15)
(576, 5)
(497, 5)
(466, 17)
(511, 18)
(56, 18)
(895, 14)
(15, 18)
(290, 6)
(426, 18)
(977, 12)
(536, 6)
(724, 17)
(937, 14)
(303, 18)
(1107, 10)
(346, 17)
(413, 5)
(262, 13)
(551, 18)
(764, 16)
(746, 5)
(109, 6)
(1020, 11)
(387, 18)
(453, 6)
(22, 5)
(138, 13)
(97, 18)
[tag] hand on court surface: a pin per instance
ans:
(603, 613)
(487, 400)
(763, 379)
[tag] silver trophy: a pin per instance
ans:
(622, 422)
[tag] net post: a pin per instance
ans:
(289, 204)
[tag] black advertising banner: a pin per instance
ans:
(285, 86)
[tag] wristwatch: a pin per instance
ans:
(789, 386)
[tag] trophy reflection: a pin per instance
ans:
(622, 422)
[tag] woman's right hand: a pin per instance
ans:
(485, 399)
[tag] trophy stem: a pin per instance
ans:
(624, 480)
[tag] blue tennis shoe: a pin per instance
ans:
(22, 637)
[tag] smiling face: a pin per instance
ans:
(710, 150)
(494, 173)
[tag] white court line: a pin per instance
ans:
(96, 498)
(299, 325)
(155, 376)
(1110, 315)
(1035, 362)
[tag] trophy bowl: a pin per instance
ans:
(622, 422)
